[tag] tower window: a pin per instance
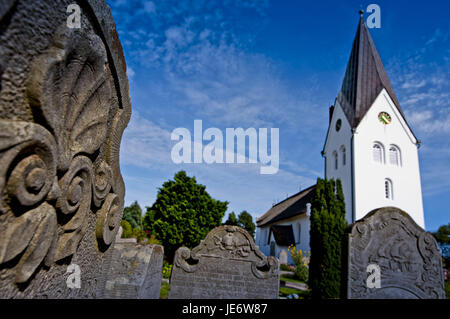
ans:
(335, 157)
(388, 191)
(378, 150)
(344, 155)
(394, 155)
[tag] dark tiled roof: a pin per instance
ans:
(283, 234)
(364, 78)
(290, 207)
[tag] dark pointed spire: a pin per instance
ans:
(364, 78)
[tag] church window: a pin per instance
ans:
(388, 191)
(335, 157)
(394, 155)
(378, 153)
(344, 155)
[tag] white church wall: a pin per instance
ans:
(370, 176)
(335, 140)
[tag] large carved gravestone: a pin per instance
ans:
(225, 265)
(407, 258)
(64, 104)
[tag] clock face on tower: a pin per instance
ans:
(384, 118)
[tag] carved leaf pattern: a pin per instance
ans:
(69, 91)
(68, 85)
(40, 243)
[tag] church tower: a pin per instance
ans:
(369, 145)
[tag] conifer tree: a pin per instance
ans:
(326, 235)
(183, 214)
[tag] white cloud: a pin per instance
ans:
(149, 7)
(130, 73)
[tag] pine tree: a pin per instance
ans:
(327, 232)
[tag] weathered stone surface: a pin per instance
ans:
(134, 271)
(408, 257)
(64, 104)
(225, 265)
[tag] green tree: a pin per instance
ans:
(443, 234)
(127, 231)
(326, 238)
(133, 215)
(232, 220)
(245, 220)
(182, 214)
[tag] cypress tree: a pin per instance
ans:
(327, 231)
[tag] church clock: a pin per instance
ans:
(384, 118)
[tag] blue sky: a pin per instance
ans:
(274, 64)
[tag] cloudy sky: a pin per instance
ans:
(273, 64)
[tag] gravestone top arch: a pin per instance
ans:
(408, 258)
(64, 104)
(227, 264)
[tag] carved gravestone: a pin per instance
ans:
(134, 271)
(405, 256)
(64, 104)
(225, 265)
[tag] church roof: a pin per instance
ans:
(290, 207)
(364, 79)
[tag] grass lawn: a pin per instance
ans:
(286, 291)
(164, 292)
(290, 278)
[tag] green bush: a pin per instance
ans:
(285, 267)
(153, 240)
(127, 232)
(138, 234)
(166, 270)
(301, 270)
(301, 273)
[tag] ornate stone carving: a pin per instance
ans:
(60, 129)
(408, 257)
(227, 251)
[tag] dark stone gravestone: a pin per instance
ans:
(388, 243)
(64, 104)
(225, 265)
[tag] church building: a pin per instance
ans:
(369, 146)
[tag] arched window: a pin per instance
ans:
(335, 158)
(388, 191)
(378, 153)
(394, 155)
(344, 155)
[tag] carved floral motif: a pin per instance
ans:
(51, 174)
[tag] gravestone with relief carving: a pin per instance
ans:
(407, 258)
(225, 265)
(64, 104)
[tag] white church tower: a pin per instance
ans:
(369, 144)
